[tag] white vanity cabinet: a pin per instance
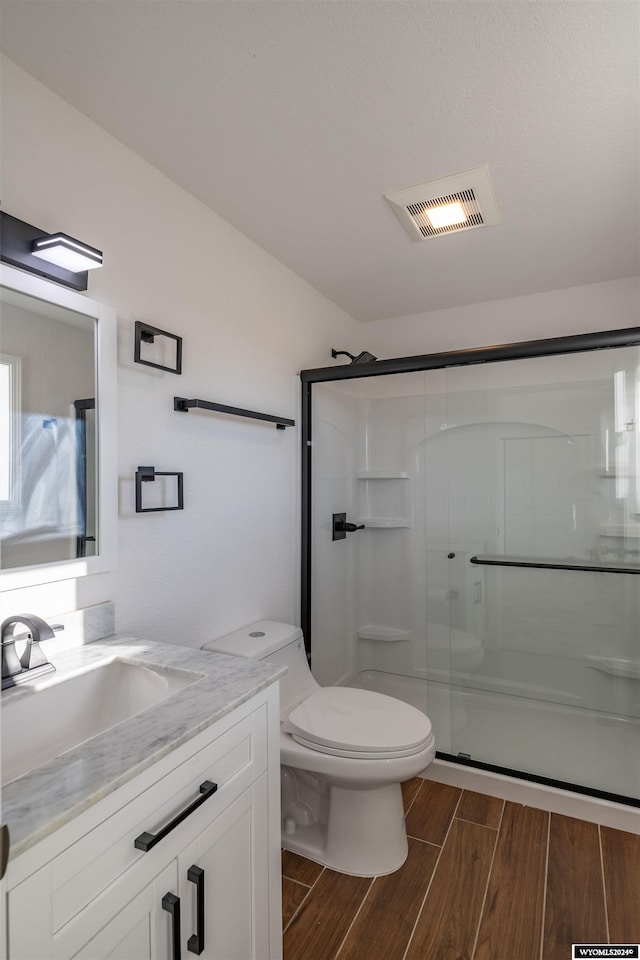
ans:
(85, 891)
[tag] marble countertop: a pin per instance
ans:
(36, 804)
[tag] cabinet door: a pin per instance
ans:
(4, 947)
(143, 930)
(232, 854)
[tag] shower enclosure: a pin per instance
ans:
(471, 544)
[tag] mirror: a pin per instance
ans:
(57, 424)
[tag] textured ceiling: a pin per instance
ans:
(292, 119)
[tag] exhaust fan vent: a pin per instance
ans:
(446, 206)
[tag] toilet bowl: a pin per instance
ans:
(344, 753)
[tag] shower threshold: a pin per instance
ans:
(566, 747)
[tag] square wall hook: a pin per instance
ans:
(146, 474)
(144, 333)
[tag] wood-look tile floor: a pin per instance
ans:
(485, 879)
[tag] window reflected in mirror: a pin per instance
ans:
(48, 438)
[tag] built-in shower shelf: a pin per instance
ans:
(382, 475)
(613, 474)
(615, 666)
(624, 530)
(384, 634)
(384, 522)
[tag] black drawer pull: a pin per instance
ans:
(148, 840)
(171, 904)
(195, 943)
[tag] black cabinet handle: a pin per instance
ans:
(148, 840)
(4, 848)
(171, 904)
(195, 944)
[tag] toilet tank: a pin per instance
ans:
(280, 643)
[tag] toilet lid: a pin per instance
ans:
(350, 720)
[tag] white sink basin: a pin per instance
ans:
(62, 712)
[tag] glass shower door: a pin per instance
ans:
(370, 585)
(544, 523)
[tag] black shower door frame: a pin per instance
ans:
(529, 349)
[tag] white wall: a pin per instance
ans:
(249, 325)
(554, 313)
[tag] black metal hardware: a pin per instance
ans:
(146, 841)
(305, 533)
(554, 346)
(81, 407)
(451, 556)
(340, 528)
(145, 333)
(195, 944)
(171, 904)
(184, 405)
(550, 565)
(364, 357)
(145, 474)
(81, 545)
(5, 845)
(16, 238)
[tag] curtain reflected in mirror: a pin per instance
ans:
(47, 433)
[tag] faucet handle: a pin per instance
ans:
(32, 655)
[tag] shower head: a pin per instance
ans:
(364, 357)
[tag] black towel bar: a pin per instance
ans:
(183, 405)
(547, 565)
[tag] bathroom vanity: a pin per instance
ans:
(158, 837)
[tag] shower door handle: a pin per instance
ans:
(341, 528)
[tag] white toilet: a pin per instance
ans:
(344, 753)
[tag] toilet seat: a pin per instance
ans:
(362, 724)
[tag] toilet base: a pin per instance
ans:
(365, 835)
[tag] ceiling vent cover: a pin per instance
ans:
(449, 205)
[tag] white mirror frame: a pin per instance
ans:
(106, 405)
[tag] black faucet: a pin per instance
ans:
(33, 663)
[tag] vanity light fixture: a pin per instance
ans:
(55, 256)
(66, 252)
